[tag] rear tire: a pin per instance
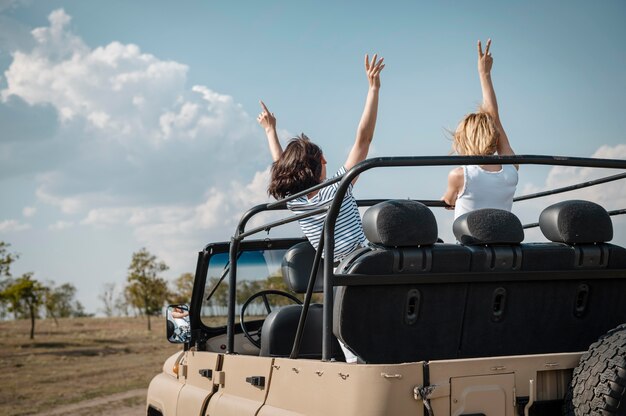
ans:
(598, 385)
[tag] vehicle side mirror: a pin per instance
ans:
(177, 319)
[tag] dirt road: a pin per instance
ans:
(130, 403)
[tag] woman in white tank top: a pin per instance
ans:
(486, 189)
(481, 134)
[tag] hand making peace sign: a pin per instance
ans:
(485, 60)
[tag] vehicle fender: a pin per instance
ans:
(163, 394)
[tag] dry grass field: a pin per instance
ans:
(79, 360)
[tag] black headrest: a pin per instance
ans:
(488, 226)
(400, 223)
(576, 221)
(296, 267)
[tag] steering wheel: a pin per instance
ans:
(255, 336)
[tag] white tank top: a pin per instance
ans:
(484, 189)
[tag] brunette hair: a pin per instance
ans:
(476, 134)
(297, 169)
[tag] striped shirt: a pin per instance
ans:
(348, 228)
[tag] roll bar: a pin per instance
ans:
(327, 242)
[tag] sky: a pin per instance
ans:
(133, 124)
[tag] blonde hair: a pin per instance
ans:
(476, 135)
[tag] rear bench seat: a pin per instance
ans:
(544, 312)
(489, 311)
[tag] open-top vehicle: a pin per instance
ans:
(489, 325)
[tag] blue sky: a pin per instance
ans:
(132, 124)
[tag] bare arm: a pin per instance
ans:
(490, 104)
(365, 131)
(268, 122)
(455, 185)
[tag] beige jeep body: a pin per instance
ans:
(301, 387)
(494, 326)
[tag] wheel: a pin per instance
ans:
(255, 337)
(598, 385)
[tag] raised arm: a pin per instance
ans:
(490, 104)
(455, 184)
(365, 131)
(268, 122)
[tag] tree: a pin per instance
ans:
(6, 258)
(108, 298)
(146, 290)
(122, 303)
(219, 298)
(183, 287)
(25, 296)
(59, 302)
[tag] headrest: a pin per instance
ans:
(576, 221)
(488, 226)
(400, 223)
(297, 265)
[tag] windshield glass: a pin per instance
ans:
(256, 270)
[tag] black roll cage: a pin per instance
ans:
(327, 239)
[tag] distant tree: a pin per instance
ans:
(25, 295)
(78, 311)
(6, 259)
(183, 287)
(60, 303)
(4, 301)
(276, 282)
(219, 298)
(146, 290)
(122, 303)
(108, 299)
(247, 288)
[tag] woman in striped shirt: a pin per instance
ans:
(301, 165)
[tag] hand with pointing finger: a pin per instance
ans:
(266, 119)
(268, 122)
(485, 60)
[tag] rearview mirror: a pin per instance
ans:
(177, 318)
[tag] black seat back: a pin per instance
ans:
(493, 236)
(587, 228)
(399, 323)
(279, 329)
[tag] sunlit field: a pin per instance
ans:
(80, 359)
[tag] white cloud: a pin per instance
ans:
(117, 88)
(611, 195)
(13, 225)
(61, 225)
(130, 131)
(173, 231)
(97, 85)
(67, 205)
(135, 146)
(29, 211)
